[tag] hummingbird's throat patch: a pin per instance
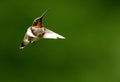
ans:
(39, 25)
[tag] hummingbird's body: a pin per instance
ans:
(37, 31)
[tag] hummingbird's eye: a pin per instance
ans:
(35, 22)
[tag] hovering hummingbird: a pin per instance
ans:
(38, 31)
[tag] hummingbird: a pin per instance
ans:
(38, 31)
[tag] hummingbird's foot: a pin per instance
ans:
(32, 41)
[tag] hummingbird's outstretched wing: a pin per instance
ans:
(52, 35)
(38, 21)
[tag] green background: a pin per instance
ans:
(90, 52)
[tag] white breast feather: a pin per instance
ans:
(29, 33)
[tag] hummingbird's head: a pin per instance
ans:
(37, 23)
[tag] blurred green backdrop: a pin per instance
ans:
(90, 52)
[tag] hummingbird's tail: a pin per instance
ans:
(22, 45)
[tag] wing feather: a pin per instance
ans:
(52, 35)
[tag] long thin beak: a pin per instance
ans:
(38, 21)
(44, 13)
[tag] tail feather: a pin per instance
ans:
(22, 45)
